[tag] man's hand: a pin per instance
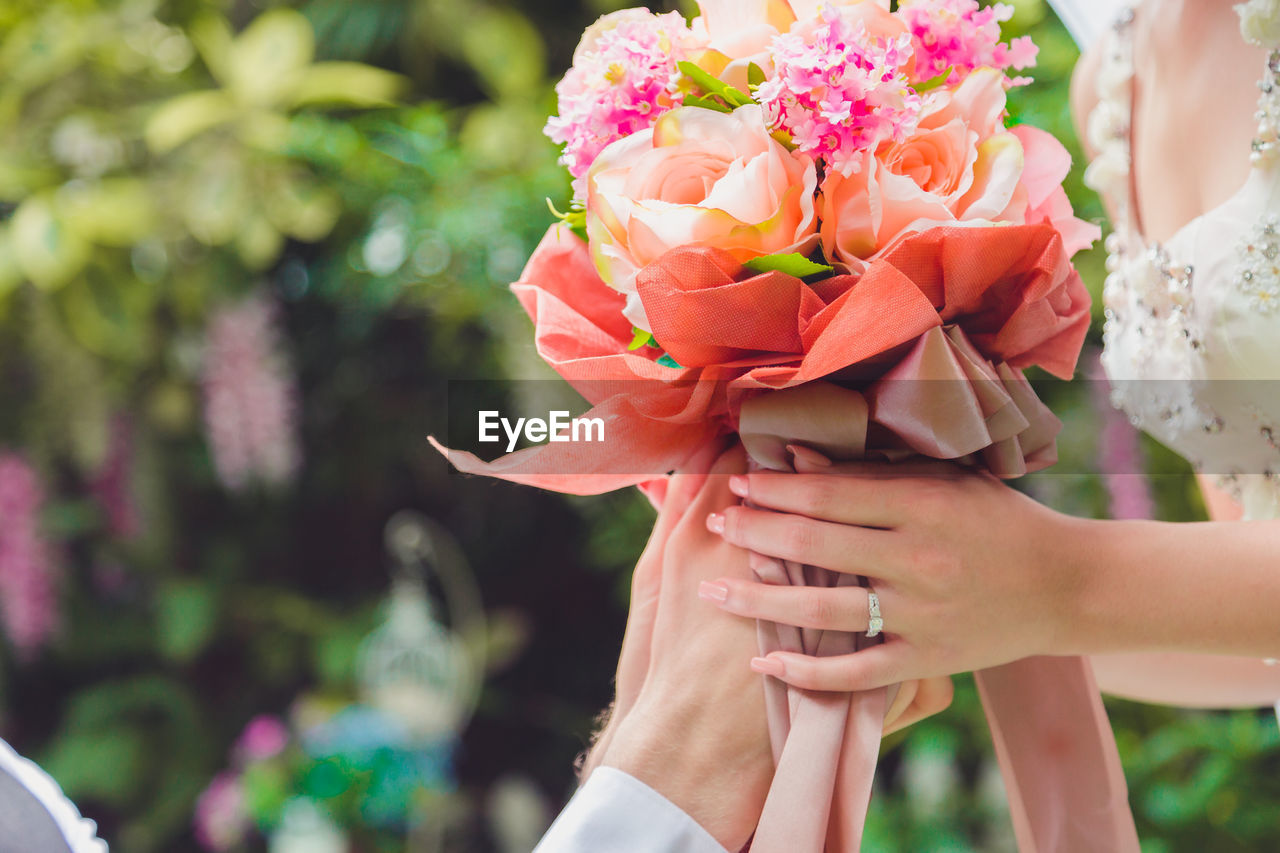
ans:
(633, 664)
(696, 731)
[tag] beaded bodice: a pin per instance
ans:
(1192, 331)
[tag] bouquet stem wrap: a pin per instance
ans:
(1053, 741)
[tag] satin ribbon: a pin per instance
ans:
(1066, 790)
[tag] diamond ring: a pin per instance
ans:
(874, 621)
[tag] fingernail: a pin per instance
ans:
(738, 485)
(715, 522)
(808, 455)
(713, 591)
(768, 666)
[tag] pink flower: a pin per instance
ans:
(264, 737)
(839, 87)
(221, 820)
(250, 400)
(623, 78)
(699, 178)
(28, 598)
(738, 33)
(112, 487)
(1047, 164)
(962, 36)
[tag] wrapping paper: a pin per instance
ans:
(1011, 289)
(920, 354)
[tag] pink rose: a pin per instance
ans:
(960, 165)
(1047, 164)
(697, 178)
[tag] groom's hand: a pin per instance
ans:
(677, 493)
(696, 731)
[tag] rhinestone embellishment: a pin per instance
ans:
(1267, 142)
(1258, 272)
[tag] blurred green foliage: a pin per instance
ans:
(378, 168)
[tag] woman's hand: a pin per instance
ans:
(969, 572)
(916, 700)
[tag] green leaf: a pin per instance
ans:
(212, 37)
(755, 75)
(713, 86)
(576, 219)
(185, 620)
(109, 211)
(185, 116)
(269, 56)
(702, 79)
(266, 786)
(706, 103)
(793, 264)
(504, 50)
(101, 763)
(641, 338)
(67, 519)
(49, 252)
(933, 82)
(668, 361)
(348, 83)
(784, 139)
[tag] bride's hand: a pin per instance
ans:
(916, 700)
(963, 565)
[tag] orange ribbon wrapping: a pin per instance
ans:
(920, 354)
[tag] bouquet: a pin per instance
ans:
(808, 223)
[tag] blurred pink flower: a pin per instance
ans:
(112, 487)
(28, 597)
(840, 84)
(623, 77)
(221, 821)
(1119, 455)
(962, 36)
(250, 400)
(264, 737)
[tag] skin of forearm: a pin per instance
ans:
(1188, 680)
(1192, 680)
(1206, 588)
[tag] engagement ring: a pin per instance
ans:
(874, 621)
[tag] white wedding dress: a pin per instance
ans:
(1192, 323)
(1192, 333)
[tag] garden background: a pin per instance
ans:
(243, 247)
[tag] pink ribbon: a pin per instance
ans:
(1053, 742)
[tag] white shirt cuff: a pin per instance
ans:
(79, 832)
(617, 813)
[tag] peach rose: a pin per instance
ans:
(698, 178)
(960, 165)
